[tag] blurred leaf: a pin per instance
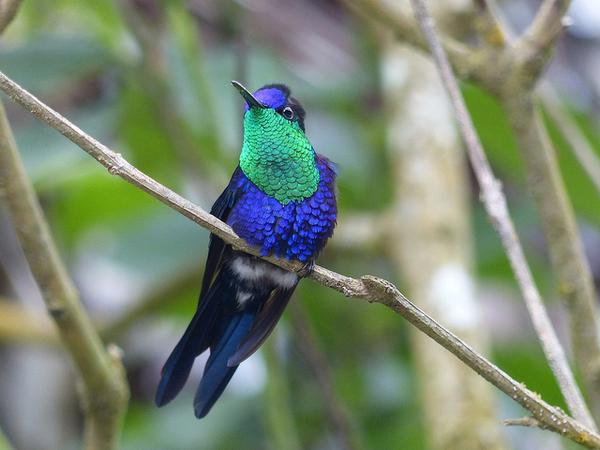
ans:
(53, 61)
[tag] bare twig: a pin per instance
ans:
(369, 288)
(22, 326)
(105, 392)
(8, 11)
(510, 72)
(495, 205)
(524, 422)
(431, 248)
(487, 26)
(546, 186)
(535, 46)
(585, 154)
(574, 279)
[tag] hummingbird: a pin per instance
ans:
(281, 199)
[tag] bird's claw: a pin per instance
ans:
(306, 269)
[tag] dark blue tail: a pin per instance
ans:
(217, 373)
(199, 335)
(231, 330)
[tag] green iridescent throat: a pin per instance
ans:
(277, 156)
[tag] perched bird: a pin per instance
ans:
(280, 199)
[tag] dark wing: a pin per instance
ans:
(195, 340)
(264, 323)
(220, 209)
(216, 291)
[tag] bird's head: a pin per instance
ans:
(276, 154)
(270, 104)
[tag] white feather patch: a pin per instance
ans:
(261, 271)
(248, 271)
(283, 278)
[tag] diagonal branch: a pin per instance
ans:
(105, 392)
(369, 288)
(22, 326)
(535, 46)
(488, 28)
(496, 207)
(578, 143)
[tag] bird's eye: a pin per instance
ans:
(288, 113)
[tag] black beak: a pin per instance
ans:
(250, 99)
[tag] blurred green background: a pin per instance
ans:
(152, 81)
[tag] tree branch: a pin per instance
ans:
(22, 326)
(496, 207)
(574, 279)
(431, 247)
(524, 422)
(533, 49)
(488, 29)
(545, 184)
(105, 392)
(369, 288)
(585, 154)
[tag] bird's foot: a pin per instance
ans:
(306, 269)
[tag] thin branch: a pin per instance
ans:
(496, 207)
(524, 422)
(504, 72)
(105, 392)
(431, 248)
(535, 46)
(25, 327)
(21, 326)
(488, 28)
(573, 274)
(8, 11)
(369, 288)
(578, 143)
(548, 191)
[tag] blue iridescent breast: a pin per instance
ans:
(297, 230)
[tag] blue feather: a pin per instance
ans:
(195, 340)
(217, 373)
